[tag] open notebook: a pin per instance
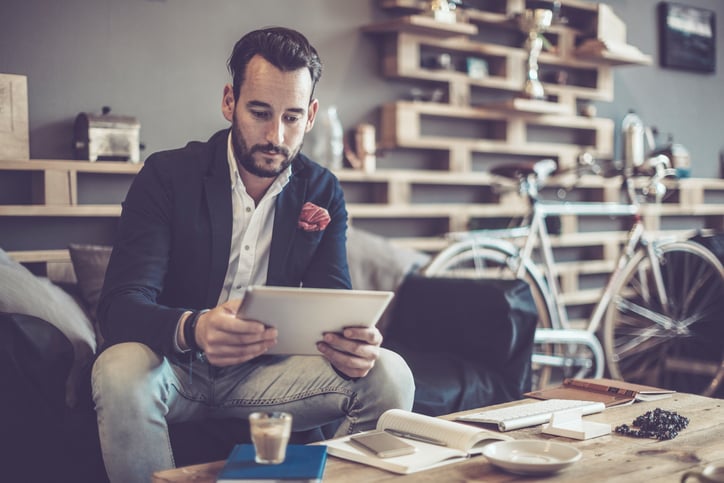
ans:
(461, 441)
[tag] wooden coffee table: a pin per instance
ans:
(613, 457)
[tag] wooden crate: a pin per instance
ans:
(14, 139)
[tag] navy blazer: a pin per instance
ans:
(174, 236)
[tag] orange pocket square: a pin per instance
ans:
(313, 218)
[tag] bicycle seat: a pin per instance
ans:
(513, 171)
(516, 171)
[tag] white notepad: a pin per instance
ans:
(530, 414)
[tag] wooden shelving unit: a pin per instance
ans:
(415, 206)
(481, 121)
(583, 74)
(47, 204)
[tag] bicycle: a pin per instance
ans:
(658, 316)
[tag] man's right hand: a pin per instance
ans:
(227, 340)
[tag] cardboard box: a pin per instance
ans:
(14, 138)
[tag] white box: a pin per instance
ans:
(570, 424)
(14, 138)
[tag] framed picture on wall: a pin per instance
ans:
(687, 37)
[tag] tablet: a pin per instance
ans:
(303, 315)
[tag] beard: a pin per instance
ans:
(264, 166)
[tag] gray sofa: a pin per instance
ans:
(49, 334)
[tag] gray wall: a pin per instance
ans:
(163, 61)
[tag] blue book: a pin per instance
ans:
(301, 464)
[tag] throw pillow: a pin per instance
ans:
(22, 292)
(90, 263)
(375, 263)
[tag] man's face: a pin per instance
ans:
(270, 118)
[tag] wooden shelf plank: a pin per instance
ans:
(488, 18)
(479, 112)
(103, 211)
(581, 297)
(31, 256)
(518, 104)
(422, 24)
(430, 245)
(417, 176)
(71, 165)
(440, 210)
(590, 267)
(597, 50)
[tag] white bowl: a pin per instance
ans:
(531, 457)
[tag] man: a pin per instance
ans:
(199, 225)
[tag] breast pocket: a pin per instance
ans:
(304, 247)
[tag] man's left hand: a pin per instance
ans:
(353, 352)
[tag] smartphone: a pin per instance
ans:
(382, 444)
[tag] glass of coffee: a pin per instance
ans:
(270, 434)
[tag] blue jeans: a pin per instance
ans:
(137, 393)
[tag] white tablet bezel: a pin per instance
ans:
(303, 315)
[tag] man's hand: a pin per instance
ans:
(227, 340)
(354, 352)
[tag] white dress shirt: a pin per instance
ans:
(251, 235)
(251, 232)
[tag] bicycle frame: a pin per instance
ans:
(635, 297)
(536, 236)
(540, 236)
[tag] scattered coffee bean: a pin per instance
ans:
(659, 424)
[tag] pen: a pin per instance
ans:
(416, 437)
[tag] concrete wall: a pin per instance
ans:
(163, 61)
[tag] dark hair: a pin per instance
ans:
(284, 48)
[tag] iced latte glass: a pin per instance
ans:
(270, 434)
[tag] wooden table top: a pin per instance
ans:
(612, 457)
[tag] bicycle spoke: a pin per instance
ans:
(695, 276)
(646, 313)
(698, 317)
(677, 344)
(639, 341)
(642, 367)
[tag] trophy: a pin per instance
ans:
(534, 23)
(443, 11)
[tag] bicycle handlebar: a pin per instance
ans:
(531, 181)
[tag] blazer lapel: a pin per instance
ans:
(288, 206)
(217, 187)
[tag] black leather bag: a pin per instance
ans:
(468, 341)
(714, 242)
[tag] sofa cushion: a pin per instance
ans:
(377, 264)
(90, 263)
(22, 292)
(35, 362)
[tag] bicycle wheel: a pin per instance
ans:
(673, 340)
(494, 259)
